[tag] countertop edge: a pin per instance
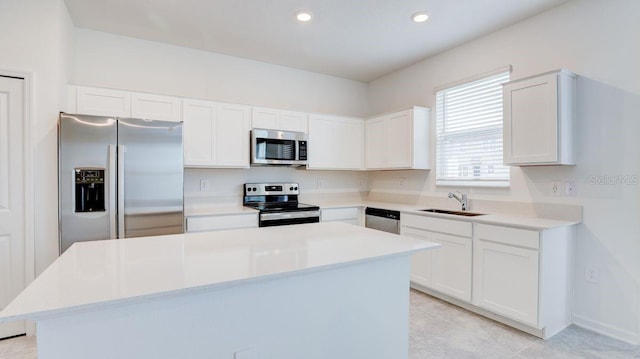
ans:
(52, 313)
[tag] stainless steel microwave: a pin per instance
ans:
(279, 148)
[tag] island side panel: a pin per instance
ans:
(359, 310)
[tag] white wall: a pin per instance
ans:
(35, 38)
(599, 41)
(226, 184)
(107, 60)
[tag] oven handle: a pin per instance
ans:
(288, 215)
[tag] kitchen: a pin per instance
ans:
(569, 36)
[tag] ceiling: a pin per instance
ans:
(353, 39)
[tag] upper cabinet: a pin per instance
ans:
(99, 101)
(398, 140)
(539, 114)
(116, 103)
(335, 142)
(215, 134)
(274, 119)
(155, 107)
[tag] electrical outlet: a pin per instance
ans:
(402, 182)
(556, 188)
(570, 188)
(249, 353)
(205, 185)
(591, 274)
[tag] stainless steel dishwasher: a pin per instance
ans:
(382, 220)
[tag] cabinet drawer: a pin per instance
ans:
(510, 236)
(338, 214)
(458, 228)
(213, 223)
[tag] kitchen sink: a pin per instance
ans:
(456, 213)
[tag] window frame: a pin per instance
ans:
(491, 132)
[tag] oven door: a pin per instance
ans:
(270, 219)
(269, 147)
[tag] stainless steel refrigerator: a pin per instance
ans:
(118, 178)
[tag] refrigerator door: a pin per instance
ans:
(86, 178)
(150, 166)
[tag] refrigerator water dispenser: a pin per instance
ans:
(89, 189)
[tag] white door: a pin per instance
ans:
(11, 197)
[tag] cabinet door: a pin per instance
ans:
(348, 146)
(421, 262)
(375, 143)
(320, 142)
(399, 140)
(216, 223)
(293, 121)
(451, 272)
(506, 280)
(103, 102)
(200, 120)
(347, 215)
(232, 136)
(531, 120)
(262, 117)
(155, 107)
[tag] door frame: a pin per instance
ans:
(28, 197)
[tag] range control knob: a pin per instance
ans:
(290, 188)
(254, 189)
(295, 188)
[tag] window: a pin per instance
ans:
(469, 133)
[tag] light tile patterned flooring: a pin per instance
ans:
(442, 330)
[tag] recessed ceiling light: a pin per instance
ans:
(303, 16)
(420, 16)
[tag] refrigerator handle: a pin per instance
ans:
(112, 191)
(121, 151)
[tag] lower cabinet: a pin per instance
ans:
(220, 222)
(506, 272)
(518, 276)
(349, 215)
(447, 268)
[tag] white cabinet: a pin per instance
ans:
(117, 103)
(524, 275)
(335, 142)
(398, 140)
(99, 101)
(349, 215)
(421, 262)
(446, 269)
(274, 119)
(155, 107)
(220, 222)
(539, 120)
(506, 274)
(215, 134)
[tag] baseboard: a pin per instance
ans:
(606, 329)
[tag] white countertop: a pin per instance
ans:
(524, 222)
(95, 274)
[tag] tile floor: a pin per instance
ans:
(442, 330)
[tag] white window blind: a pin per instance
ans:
(469, 133)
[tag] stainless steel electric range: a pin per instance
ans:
(278, 204)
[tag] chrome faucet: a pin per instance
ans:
(462, 199)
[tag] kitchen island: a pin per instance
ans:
(323, 290)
